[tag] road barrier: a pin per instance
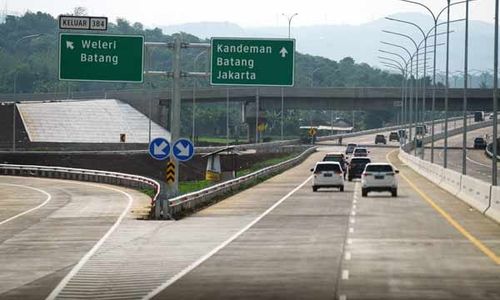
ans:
(114, 178)
(451, 181)
(180, 205)
(478, 194)
(493, 210)
(475, 192)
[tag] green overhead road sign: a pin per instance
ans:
(98, 57)
(246, 61)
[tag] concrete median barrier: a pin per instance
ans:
(451, 181)
(494, 210)
(475, 192)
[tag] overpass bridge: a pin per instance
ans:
(337, 98)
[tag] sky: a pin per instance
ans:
(249, 13)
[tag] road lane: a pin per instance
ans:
(18, 200)
(294, 252)
(324, 245)
(478, 164)
(389, 248)
(37, 249)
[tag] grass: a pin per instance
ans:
(266, 163)
(218, 140)
(148, 191)
(186, 187)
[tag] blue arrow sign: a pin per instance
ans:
(183, 149)
(159, 148)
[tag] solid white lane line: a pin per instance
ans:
(49, 197)
(55, 292)
(222, 245)
(345, 274)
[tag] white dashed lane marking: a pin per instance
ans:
(345, 274)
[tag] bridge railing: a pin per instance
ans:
(114, 178)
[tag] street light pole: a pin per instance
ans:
(447, 87)
(193, 126)
(495, 104)
(15, 92)
(464, 140)
(416, 75)
(436, 19)
(282, 88)
(409, 82)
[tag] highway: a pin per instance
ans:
(478, 164)
(276, 240)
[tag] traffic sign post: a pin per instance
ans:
(246, 61)
(159, 148)
(96, 57)
(183, 149)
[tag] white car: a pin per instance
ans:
(379, 177)
(327, 174)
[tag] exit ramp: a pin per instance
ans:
(90, 121)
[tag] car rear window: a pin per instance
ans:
(379, 168)
(362, 151)
(333, 158)
(479, 140)
(360, 161)
(327, 167)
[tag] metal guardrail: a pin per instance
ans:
(121, 179)
(191, 201)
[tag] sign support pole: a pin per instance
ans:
(257, 116)
(175, 119)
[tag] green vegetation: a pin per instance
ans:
(266, 163)
(186, 187)
(29, 58)
(148, 191)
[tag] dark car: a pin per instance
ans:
(337, 157)
(479, 143)
(357, 166)
(393, 136)
(350, 148)
(380, 138)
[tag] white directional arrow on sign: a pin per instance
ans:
(69, 45)
(184, 151)
(283, 52)
(158, 149)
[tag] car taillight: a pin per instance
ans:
(317, 172)
(367, 174)
(338, 172)
(390, 174)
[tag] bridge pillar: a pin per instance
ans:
(249, 119)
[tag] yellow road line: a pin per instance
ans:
(483, 248)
